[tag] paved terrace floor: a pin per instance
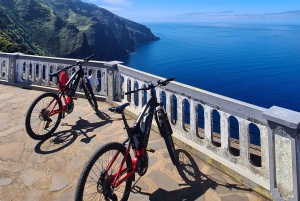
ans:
(49, 170)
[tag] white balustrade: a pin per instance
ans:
(260, 166)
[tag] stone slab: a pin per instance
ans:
(31, 176)
(11, 151)
(59, 182)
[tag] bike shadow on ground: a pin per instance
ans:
(62, 139)
(196, 183)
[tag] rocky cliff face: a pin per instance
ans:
(68, 28)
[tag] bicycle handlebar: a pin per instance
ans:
(87, 59)
(165, 82)
(159, 82)
(84, 60)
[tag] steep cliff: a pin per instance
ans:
(68, 28)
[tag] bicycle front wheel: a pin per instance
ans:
(171, 149)
(99, 173)
(39, 123)
(89, 93)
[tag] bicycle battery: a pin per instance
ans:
(145, 128)
(163, 122)
(73, 88)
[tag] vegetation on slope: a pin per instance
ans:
(68, 28)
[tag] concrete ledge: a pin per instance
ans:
(283, 116)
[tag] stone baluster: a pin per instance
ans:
(33, 73)
(27, 72)
(169, 105)
(40, 77)
(124, 89)
(180, 113)
(158, 94)
(224, 130)
(2, 70)
(47, 77)
(10, 68)
(19, 70)
(208, 123)
(110, 86)
(264, 146)
(284, 152)
(193, 120)
(244, 141)
(104, 81)
(140, 96)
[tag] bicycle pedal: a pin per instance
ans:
(150, 150)
(74, 98)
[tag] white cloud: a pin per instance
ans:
(118, 2)
(112, 9)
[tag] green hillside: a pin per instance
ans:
(68, 28)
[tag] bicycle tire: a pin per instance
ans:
(89, 93)
(171, 149)
(35, 122)
(94, 168)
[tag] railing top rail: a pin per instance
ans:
(232, 106)
(45, 59)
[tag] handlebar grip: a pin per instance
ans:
(170, 79)
(165, 82)
(88, 58)
(130, 92)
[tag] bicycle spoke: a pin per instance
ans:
(99, 178)
(92, 195)
(39, 124)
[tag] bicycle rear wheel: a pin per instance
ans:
(38, 123)
(95, 182)
(89, 93)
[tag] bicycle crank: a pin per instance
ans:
(142, 164)
(45, 117)
(104, 186)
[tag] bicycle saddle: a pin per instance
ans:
(118, 109)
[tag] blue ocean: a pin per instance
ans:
(254, 63)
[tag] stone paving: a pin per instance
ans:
(49, 170)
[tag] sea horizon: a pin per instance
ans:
(257, 63)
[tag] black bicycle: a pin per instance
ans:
(109, 172)
(46, 112)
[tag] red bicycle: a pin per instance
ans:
(109, 172)
(46, 112)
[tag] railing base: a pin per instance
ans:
(180, 141)
(49, 89)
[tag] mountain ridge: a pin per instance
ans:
(69, 28)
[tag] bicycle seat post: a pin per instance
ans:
(125, 121)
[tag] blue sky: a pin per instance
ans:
(204, 10)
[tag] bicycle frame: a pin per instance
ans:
(73, 82)
(138, 151)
